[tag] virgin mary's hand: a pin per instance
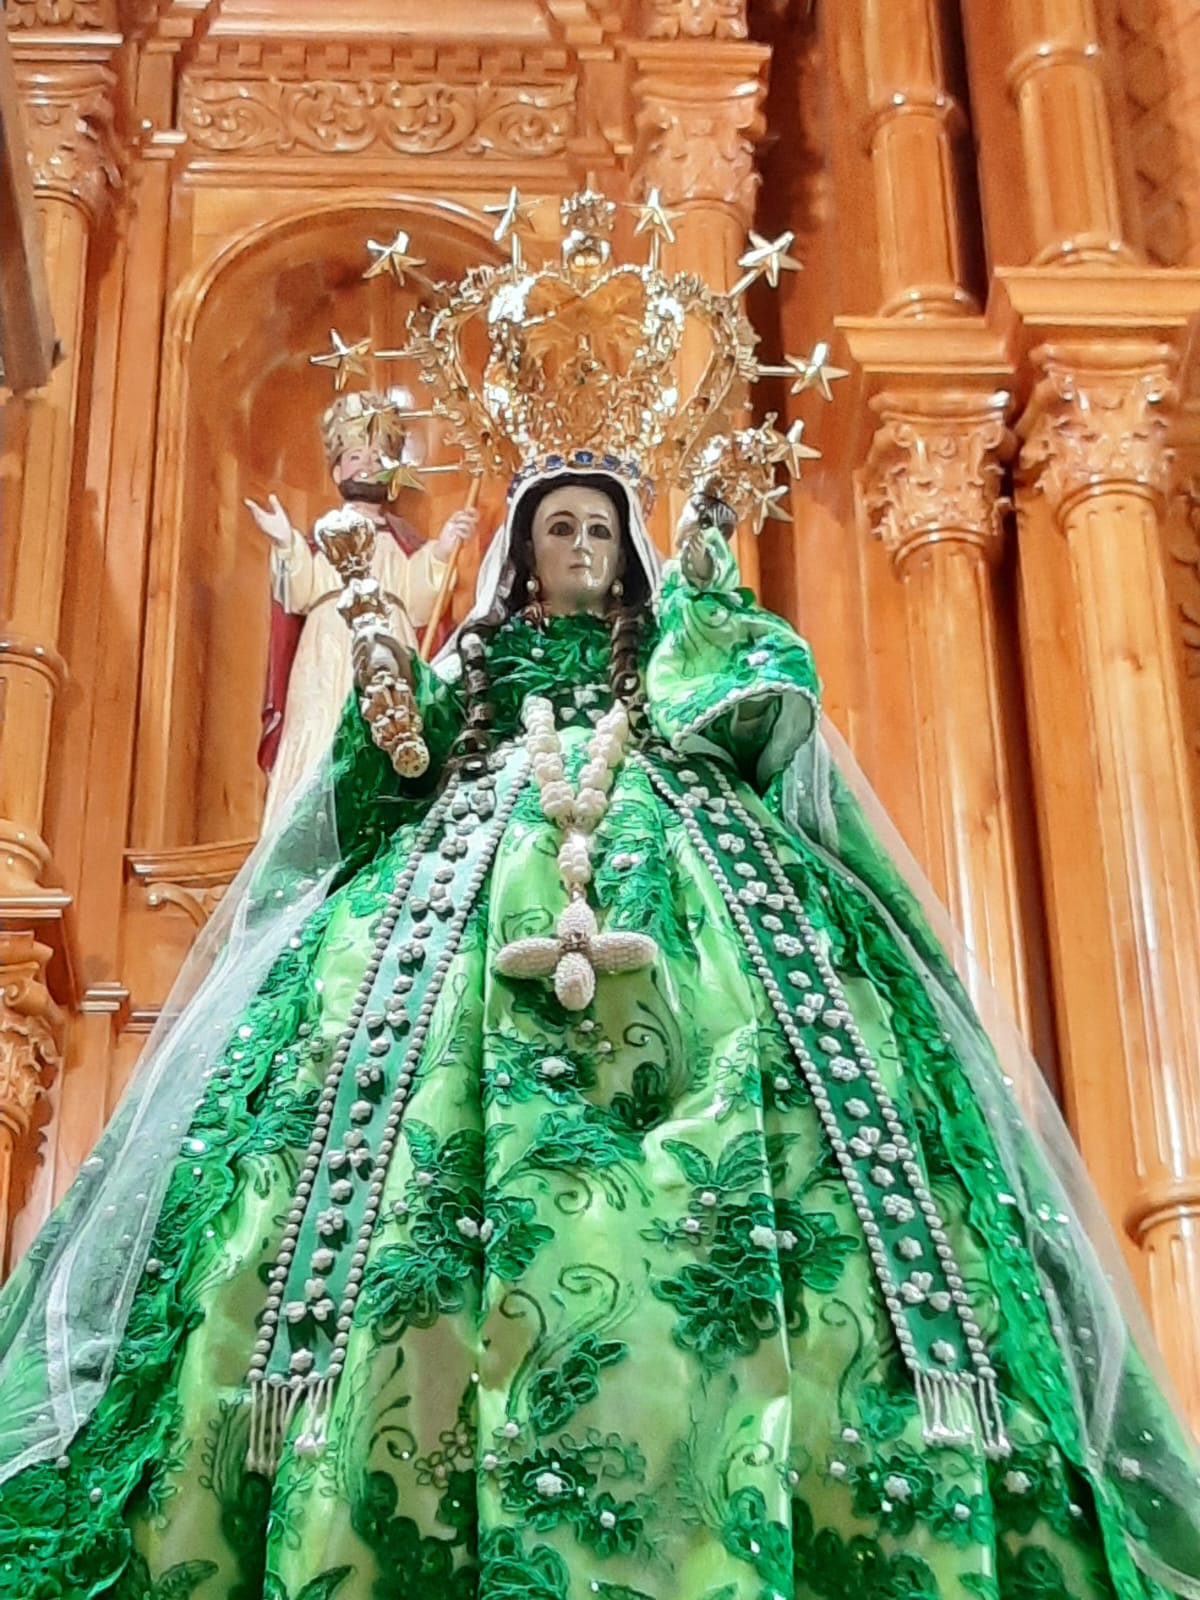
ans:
(694, 559)
(378, 655)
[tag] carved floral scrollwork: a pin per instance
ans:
(336, 117)
(696, 19)
(934, 475)
(56, 14)
(30, 1029)
(1092, 427)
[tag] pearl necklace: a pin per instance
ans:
(579, 950)
(577, 812)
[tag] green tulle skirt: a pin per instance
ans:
(619, 1333)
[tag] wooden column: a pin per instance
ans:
(912, 124)
(68, 123)
(108, 714)
(1119, 837)
(26, 329)
(70, 116)
(699, 112)
(931, 490)
(930, 485)
(1048, 160)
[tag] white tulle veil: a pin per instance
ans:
(62, 1318)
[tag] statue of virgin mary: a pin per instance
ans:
(578, 1171)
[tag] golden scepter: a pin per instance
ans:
(346, 538)
(347, 541)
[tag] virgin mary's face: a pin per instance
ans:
(577, 550)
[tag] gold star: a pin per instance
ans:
(371, 411)
(795, 451)
(516, 217)
(767, 507)
(394, 258)
(656, 220)
(400, 475)
(344, 358)
(766, 258)
(815, 371)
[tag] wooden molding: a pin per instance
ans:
(193, 879)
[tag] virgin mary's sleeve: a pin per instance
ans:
(372, 799)
(726, 676)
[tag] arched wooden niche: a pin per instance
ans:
(240, 417)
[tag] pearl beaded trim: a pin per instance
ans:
(954, 1381)
(381, 1045)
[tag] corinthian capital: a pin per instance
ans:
(699, 113)
(1098, 420)
(69, 127)
(933, 472)
(30, 1029)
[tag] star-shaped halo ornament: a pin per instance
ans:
(654, 218)
(769, 505)
(575, 955)
(373, 414)
(399, 475)
(516, 218)
(766, 258)
(394, 258)
(815, 371)
(344, 359)
(795, 452)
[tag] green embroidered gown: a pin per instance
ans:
(615, 1325)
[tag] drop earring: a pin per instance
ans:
(617, 590)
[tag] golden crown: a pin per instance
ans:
(577, 362)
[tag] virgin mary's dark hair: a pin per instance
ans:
(625, 618)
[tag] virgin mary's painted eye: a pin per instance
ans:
(561, 528)
(599, 530)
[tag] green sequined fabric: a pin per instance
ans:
(619, 1333)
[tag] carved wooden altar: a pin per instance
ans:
(997, 561)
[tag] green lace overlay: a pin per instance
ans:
(619, 1334)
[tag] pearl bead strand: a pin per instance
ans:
(579, 812)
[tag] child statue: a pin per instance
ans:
(308, 669)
